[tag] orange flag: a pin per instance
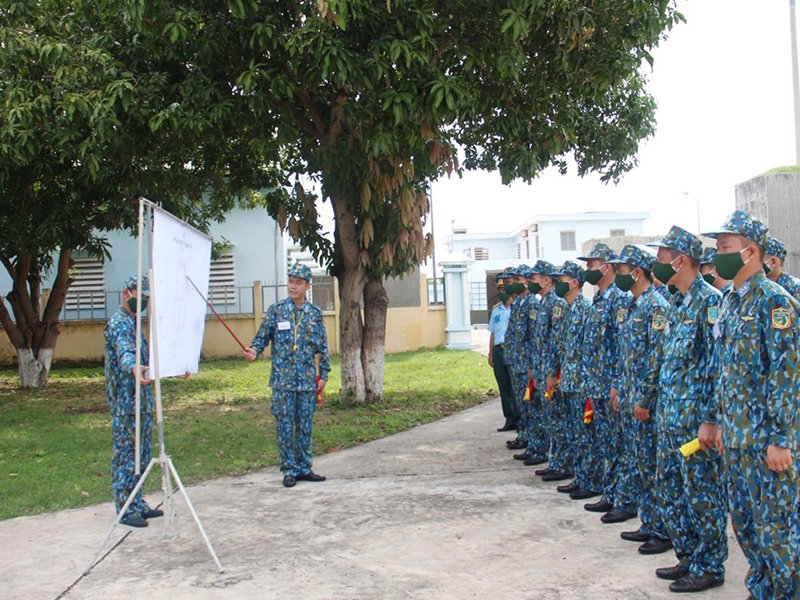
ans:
(588, 412)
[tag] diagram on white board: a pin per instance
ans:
(179, 252)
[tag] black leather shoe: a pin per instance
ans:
(599, 506)
(289, 481)
(568, 488)
(507, 427)
(310, 476)
(518, 445)
(672, 573)
(695, 583)
(556, 476)
(509, 442)
(542, 472)
(583, 494)
(655, 546)
(152, 513)
(521, 456)
(616, 515)
(635, 536)
(532, 461)
(133, 521)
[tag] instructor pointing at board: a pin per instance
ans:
(297, 333)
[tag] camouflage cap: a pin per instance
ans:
(602, 252)
(775, 247)
(682, 241)
(524, 271)
(301, 271)
(709, 256)
(741, 222)
(571, 269)
(635, 256)
(542, 267)
(131, 284)
(510, 272)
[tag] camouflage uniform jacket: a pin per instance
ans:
(689, 363)
(546, 357)
(791, 284)
(297, 335)
(600, 362)
(571, 344)
(120, 360)
(641, 341)
(518, 335)
(758, 382)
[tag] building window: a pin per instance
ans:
(567, 241)
(481, 254)
(222, 280)
(88, 285)
(617, 233)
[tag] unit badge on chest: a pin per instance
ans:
(781, 318)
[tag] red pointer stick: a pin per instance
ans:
(216, 314)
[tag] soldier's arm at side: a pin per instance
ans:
(264, 335)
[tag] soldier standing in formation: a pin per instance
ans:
(775, 255)
(296, 331)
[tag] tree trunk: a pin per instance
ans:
(373, 351)
(33, 370)
(352, 278)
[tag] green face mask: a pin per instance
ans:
(710, 279)
(766, 268)
(664, 272)
(515, 288)
(562, 288)
(594, 276)
(132, 304)
(624, 282)
(504, 297)
(728, 265)
(535, 288)
(673, 289)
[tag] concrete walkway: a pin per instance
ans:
(437, 512)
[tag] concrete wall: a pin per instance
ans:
(775, 199)
(407, 328)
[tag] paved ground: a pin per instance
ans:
(437, 512)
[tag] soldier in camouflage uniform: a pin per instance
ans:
(641, 341)
(580, 436)
(773, 266)
(757, 387)
(120, 383)
(708, 269)
(600, 365)
(691, 487)
(544, 369)
(297, 333)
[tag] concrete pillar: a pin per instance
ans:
(456, 285)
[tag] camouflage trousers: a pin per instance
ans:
(627, 484)
(765, 517)
(646, 458)
(587, 464)
(519, 381)
(558, 425)
(693, 504)
(609, 446)
(533, 417)
(294, 414)
(123, 459)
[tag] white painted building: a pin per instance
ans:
(554, 238)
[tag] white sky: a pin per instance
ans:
(723, 84)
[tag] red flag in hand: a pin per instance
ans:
(588, 413)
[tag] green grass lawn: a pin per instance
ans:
(55, 443)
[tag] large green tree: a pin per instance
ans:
(372, 99)
(87, 125)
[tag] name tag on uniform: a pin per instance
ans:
(284, 326)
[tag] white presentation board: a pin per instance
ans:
(179, 252)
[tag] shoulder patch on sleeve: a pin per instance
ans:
(781, 318)
(533, 312)
(659, 321)
(713, 314)
(622, 314)
(558, 312)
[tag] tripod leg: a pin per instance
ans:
(122, 511)
(167, 491)
(194, 514)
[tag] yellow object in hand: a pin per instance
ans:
(690, 448)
